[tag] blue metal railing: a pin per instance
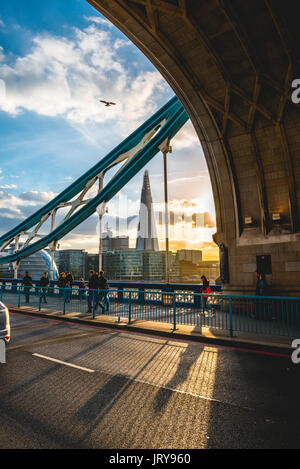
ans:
(123, 286)
(273, 316)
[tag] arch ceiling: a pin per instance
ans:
(232, 63)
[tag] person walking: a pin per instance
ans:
(44, 283)
(27, 283)
(67, 292)
(261, 285)
(61, 283)
(205, 289)
(262, 306)
(102, 297)
(81, 289)
(93, 284)
(70, 279)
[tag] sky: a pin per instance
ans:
(57, 59)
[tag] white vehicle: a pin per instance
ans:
(4, 331)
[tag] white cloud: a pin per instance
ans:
(186, 138)
(35, 196)
(2, 24)
(67, 77)
(99, 20)
(2, 90)
(8, 186)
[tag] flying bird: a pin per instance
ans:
(107, 103)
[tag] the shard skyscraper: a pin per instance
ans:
(147, 234)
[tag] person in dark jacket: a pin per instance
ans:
(262, 289)
(44, 283)
(61, 283)
(70, 279)
(67, 292)
(81, 288)
(93, 291)
(103, 287)
(27, 283)
(261, 285)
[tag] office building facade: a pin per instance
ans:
(72, 260)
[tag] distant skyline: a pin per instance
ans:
(56, 61)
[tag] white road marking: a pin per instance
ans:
(141, 381)
(179, 391)
(64, 363)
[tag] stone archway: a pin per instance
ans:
(231, 64)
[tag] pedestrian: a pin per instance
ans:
(44, 283)
(81, 288)
(93, 291)
(262, 289)
(261, 285)
(70, 279)
(103, 287)
(205, 289)
(27, 283)
(61, 283)
(67, 292)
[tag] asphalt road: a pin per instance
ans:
(129, 391)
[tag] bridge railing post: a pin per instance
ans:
(230, 317)
(64, 303)
(93, 304)
(129, 308)
(40, 298)
(174, 311)
(19, 296)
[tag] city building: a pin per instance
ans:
(72, 260)
(117, 243)
(126, 264)
(191, 255)
(147, 233)
(136, 265)
(91, 263)
(36, 264)
(154, 266)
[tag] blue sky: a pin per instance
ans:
(56, 59)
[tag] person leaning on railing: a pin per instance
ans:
(27, 283)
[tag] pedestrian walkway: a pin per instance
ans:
(273, 344)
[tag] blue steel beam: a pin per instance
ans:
(174, 116)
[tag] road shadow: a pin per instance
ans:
(186, 361)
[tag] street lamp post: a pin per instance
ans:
(165, 151)
(101, 210)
